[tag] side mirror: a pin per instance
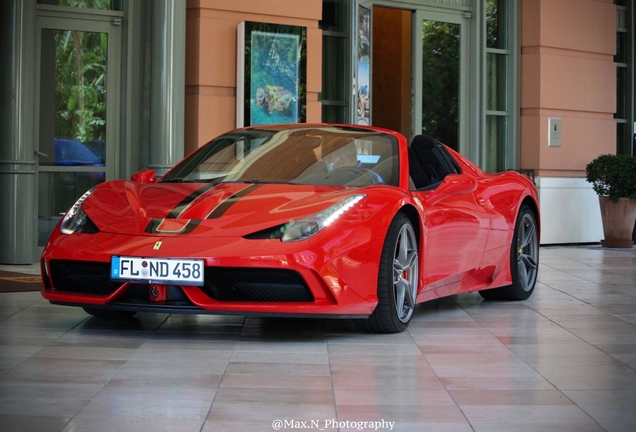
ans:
(453, 184)
(457, 184)
(146, 177)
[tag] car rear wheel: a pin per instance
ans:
(524, 260)
(397, 280)
(107, 313)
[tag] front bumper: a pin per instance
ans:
(332, 278)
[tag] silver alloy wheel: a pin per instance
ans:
(527, 252)
(405, 273)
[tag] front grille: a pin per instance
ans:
(222, 284)
(82, 277)
(255, 285)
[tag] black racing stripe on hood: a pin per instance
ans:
(188, 200)
(225, 205)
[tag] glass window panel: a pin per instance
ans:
(334, 15)
(58, 191)
(73, 98)
(496, 81)
(621, 139)
(496, 24)
(621, 48)
(334, 114)
(440, 79)
(621, 92)
(333, 82)
(86, 4)
(496, 130)
(621, 18)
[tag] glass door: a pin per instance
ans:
(440, 71)
(77, 63)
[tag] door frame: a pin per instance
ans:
(96, 21)
(464, 73)
(470, 87)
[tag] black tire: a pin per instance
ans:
(524, 260)
(397, 280)
(109, 314)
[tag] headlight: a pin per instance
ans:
(75, 218)
(309, 226)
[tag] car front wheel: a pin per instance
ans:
(397, 280)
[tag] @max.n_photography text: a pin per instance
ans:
(327, 424)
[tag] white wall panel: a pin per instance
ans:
(570, 211)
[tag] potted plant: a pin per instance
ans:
(613, 178)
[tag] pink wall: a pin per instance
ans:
(210, 98)
(568, 72)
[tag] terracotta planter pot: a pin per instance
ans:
(618, 222)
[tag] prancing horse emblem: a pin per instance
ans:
(157, 246)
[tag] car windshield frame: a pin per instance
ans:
(310, 155)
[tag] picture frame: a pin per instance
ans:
(271, 74)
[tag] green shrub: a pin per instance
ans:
(613, 176)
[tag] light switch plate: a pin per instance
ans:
(554, 130)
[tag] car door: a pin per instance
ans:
(455, 220)
(456, 230)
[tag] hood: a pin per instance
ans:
(195, 209)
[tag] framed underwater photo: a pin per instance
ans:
(271, 74)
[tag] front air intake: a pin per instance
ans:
(255, 285)
(82, 277)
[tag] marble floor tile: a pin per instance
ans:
(125, 407)
(279, 396)
(229, 411)
(115, 424)
(534, 383)
(529, 417)
(510, 397)
(285, 369)
(613, 410)
(600, 376)
(563, 360)
(319, 348)
(402, 396)
(45, 370)
(279, 357)
(402, 414)
(40, 423)
(351, 376)
(273, 381)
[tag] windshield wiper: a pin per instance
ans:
(257, 181)
(182, 180)
(215, 181)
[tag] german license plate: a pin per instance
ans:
(157, 270)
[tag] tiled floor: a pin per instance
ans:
(564, 360)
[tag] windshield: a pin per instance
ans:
(311, 156)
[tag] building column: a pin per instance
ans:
(18, 172)
(167, 84)
(568, 100)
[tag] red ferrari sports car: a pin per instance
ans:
(308, 220)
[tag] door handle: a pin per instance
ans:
(39, 153)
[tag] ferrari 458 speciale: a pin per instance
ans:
(310, 220)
